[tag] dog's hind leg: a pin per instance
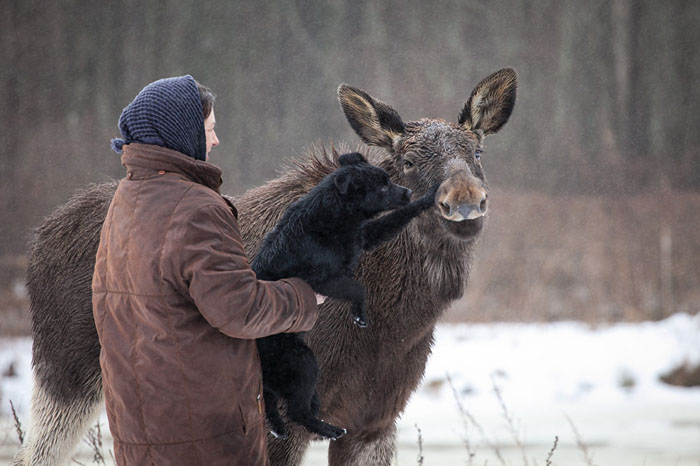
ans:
(56, 426)
(315, 404)
(302, 415)
(273, 415)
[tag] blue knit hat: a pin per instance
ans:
(166, 113)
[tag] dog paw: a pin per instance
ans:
(281, 436)
(428, 199)
(360, 322)
(340, 432)
(336, 432)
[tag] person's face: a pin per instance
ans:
(209, 124)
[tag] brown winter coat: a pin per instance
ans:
(177, 309)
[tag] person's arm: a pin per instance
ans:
(212, 262)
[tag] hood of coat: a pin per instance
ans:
(143, 161)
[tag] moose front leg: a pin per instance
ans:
(376, 449)
(382, 229)
(347, 289)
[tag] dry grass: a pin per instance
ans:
(467, 420)
(18, 425)
(582, 446)
(548, 461)
(515, 432)
(420, 446)
(93, 439)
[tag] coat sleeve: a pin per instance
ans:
(212, 262)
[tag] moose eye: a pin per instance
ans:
(408, 164)
(477, 154)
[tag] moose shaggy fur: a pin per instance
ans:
(367, 375)
(320, 238)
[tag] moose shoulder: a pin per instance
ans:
(367, 375)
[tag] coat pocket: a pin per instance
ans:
(252, 414)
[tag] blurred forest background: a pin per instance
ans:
(595, 181)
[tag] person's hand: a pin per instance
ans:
(320, 299)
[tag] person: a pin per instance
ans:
(176, 304)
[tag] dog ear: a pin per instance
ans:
(351, 159)
(342, 182)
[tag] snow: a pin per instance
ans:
(605, 379)
(18, 389)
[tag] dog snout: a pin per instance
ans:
(400, 195)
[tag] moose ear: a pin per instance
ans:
(491, 102)
(352, 158)
(342, 182)
(375, 122)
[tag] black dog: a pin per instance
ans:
(320, 238)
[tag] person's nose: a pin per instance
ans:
(215, 141)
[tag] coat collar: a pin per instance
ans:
(144, 161)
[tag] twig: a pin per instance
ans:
(18, 425)
(466, 419)
(548, 461)
(579, 441)
(420, 446)
(94, 440)
(509, 421)
(99, 435)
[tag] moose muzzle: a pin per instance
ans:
(462, 197)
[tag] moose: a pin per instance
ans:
(367, 375)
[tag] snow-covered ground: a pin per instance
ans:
(548, 379)
(605, 380)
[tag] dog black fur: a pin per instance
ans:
(319, 239)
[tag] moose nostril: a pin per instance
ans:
(482, 205)
(445, 208)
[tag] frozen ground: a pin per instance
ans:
(604, 379)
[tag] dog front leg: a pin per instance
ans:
(347, 289)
